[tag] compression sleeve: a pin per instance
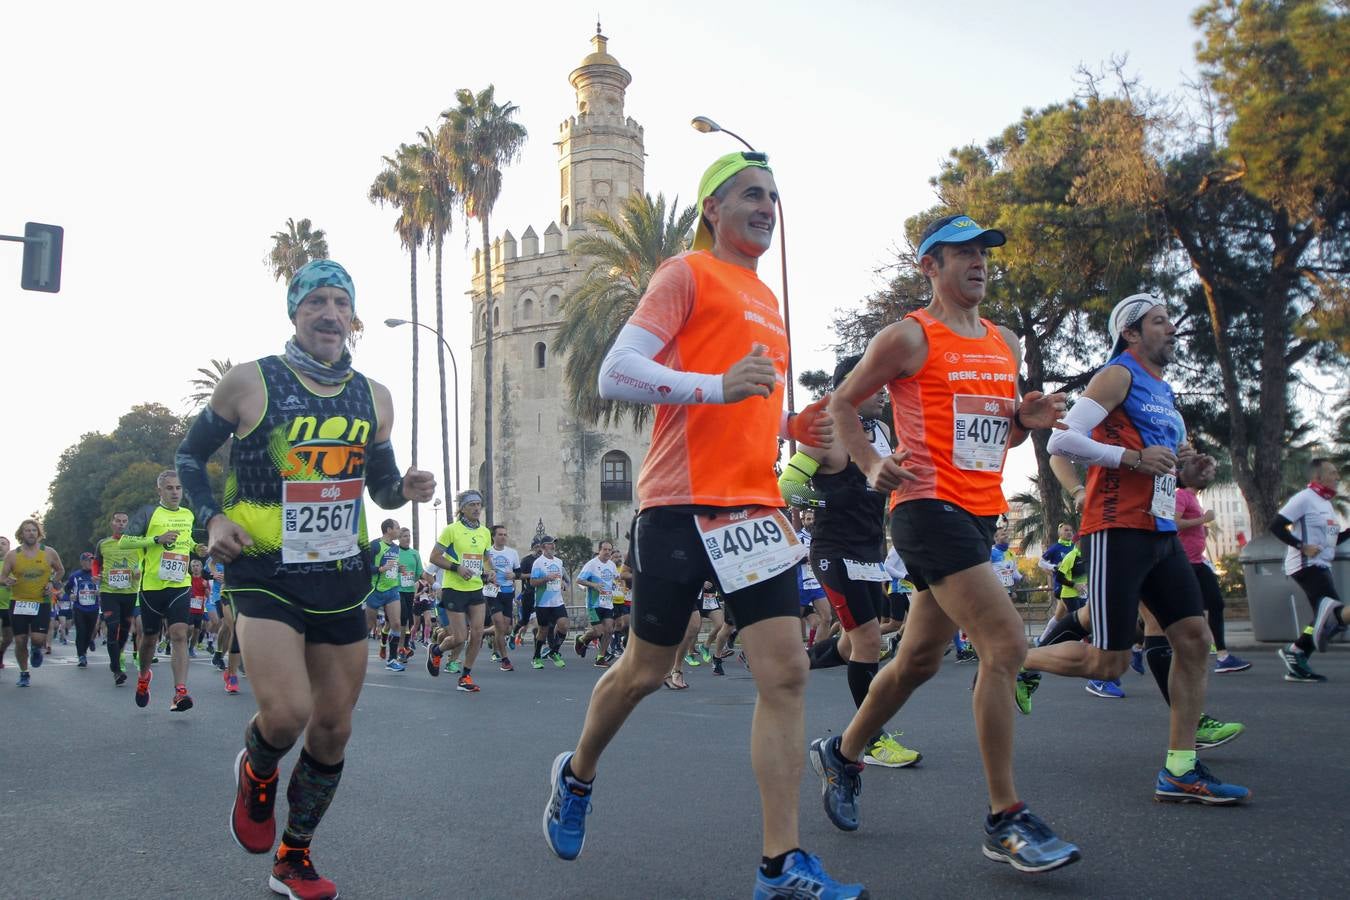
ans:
(793, 482)
(1075, 442)
(383, 479)
(1279, 526)
(630, 372)
(208, 432)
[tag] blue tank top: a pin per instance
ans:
(1150, 407)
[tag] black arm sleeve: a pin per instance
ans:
(1279, 527)
(383, 479)
(206, 436)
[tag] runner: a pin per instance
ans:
(815, 607)
(598, 576)
(1049, 563)
(6, 626)
(1191, 521)
(81, 591)
(310, 436)
(622, 585)
(709, 508)
(1308, 524)
(848, 548)
(409, 573)
(198, 592)
(551, 583)
(384, 592)
(1127, 430)
(500, 592)
(952, 377)
(29, 568)
(460, 552)
(527, 595)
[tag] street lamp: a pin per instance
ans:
(705, 125)
(445, 458)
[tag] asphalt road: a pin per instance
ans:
(443, 791)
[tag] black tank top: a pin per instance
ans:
(296, 484)
(850, 524)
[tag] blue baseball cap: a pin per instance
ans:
(959, 230)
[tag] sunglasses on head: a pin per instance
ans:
(754, 157)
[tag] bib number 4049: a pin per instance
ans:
(753, 547)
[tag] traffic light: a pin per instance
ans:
(42, 257)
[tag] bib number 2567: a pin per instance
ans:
(319, 520)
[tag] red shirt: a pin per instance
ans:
(1193, 538)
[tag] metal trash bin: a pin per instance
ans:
(1275, 602)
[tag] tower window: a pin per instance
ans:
(616, 477)
(496, 317)
(540, 355)
(566, 215)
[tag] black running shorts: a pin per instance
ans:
(37, 624)
(898, 604)
(935, 539)
(504, 605)
(166, 606)
(338, 628)
(854, 602)
(460, 601)
(547, 616)
(1316, 583)
(669, 568)
(1129, 565)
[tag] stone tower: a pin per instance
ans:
(548, 467)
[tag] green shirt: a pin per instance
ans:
(119, 567)
(163, 567)
(382, 554)
(4, 596)
(1072, 567)
(464, 545)
(409, 569)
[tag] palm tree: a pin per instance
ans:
(205, 386)
(479, 137)
(292, 248)
(622, 256)
(400, 185)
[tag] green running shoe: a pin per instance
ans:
(1027, 683)
(537, 663)
(557, 659)
(454, 667)
(1211, 732)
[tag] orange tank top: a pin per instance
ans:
(711, 313)
(955, 416)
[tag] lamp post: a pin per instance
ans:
(454, 368)
(706, 125)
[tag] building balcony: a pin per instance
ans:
(616, 492)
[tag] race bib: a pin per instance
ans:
(471, 567)
(490, 589)
(173, 566)
(861, 571)
(604, 600)
(26, 607)
(1005, 576)
(87, 597)
(980, 430)
(196, 604)
(710, 602)
(406, 579)
(63, 605)
(119, 579)
(1164, 504)
(555, 583)
(319, 520)
(748, 547)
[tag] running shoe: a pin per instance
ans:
(557, 659)
(395, 666)
(83, 663)
(1230, 663)
(143, 688)
(537, 663)
(119, 679)
(510, 642)
(384, 649)
(1211, 732)
(1111, 690)
(466, 684)
(889, 752)
(1137, 661)
(1027, 844)
(1027, 683)
(192, 652)
(496, 657)
(804, 877)
(565, 813)
(454, 667)
(728, 653)
(601, 662)
(1327, 624)
(24, 680)
(717, 667)
(434, 661)
(580, 646)
(35, 657)
(1296, 666)
(1197, 786)
(840, 783)
(182, 700)
(704, 652)
(231, 684)
(967, 654)
(506, 665)
(692, 660)
(293, 876)
(218, 660)
(252, 822)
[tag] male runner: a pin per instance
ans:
(815, 608)
(706, 346)
(1191, 521)
(384, 591)
(1049, 563)
(621, 616)
(848, 548)
(499, 589)
(6, 598)
(29, 568)
(1308, 524)
(551, 583)
(119, 585)
(598, 577)
(409, 571)
(527, 592)
(460, 552)
(952, 377)
(311, 436)
(81, 591)
(1127, 430)
(163, 532)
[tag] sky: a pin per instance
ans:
(171, 141)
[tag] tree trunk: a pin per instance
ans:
(416, 524)
(1047, 485)
(440, 360)
(486, 486)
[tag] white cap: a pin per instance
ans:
(1127, 312)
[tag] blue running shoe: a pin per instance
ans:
(840, 782)
(24, 679)
(1197, 786)
(1137, 661)
(35, 657)
(1027, 844)
(1108, 689)
(804, 878)
(565, 814)
(1230, 662)
(395, 666)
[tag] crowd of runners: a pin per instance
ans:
(877, 542)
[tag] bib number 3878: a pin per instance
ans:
(319, 520)
(748, 547)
